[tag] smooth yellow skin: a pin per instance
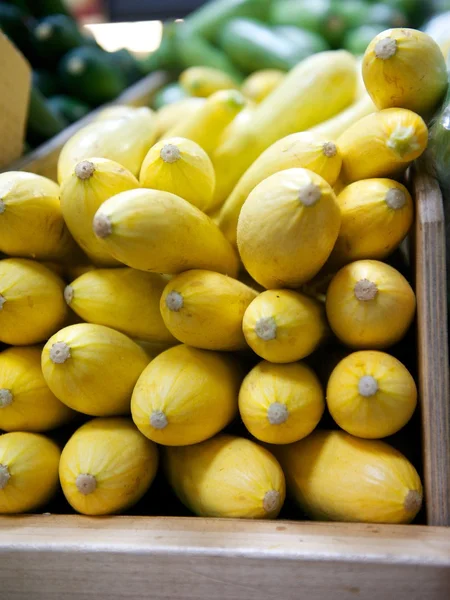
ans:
(334, 127)
(32, 463)
(26, 402)
(211, 311)
(98, 377)
(306, 150)
(125, 141)
(168, 116)
(371, 415)
(226, 476)
(287, 228)
(195, 392)
(239, 122)
(261, 83)
(296, 322)
(315, 90)
(370, 324)
(295, 395)
(337, 477)
(122, 461)
(32, 302)
(182, 167)
(121, 111)
(405, 68)
(382, 144)
(160, 232)
(81, 198)
(376, 214)
(204, 81)
(123, 299)
(206, 125)
(31, 222)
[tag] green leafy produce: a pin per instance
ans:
(69, 108)
(170, 93)
(55, 35)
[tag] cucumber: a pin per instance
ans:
(68, 108)
(170, 93)
(166, 56)
(55, 35)
(125, 62)
(384, 14)
(87, 74)
(302, 38)
(46, 82)
(253, 46)
(357, 40)
(43, 121)
(307, 14)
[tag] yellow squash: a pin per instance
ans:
(376, 214)
(182, 167)
(26, 402)
(185, 396)
(119, 111)
(205, 309)
(316, 153)
(283, 326)
(107, 466)
(334, 127)
(281, 404)
(315, 90)
(171, 114)
(32, 304)
(83, 191)
(382, 144)
(123, 299)
(31, 221)
(405, 68)
(287, 228)
(370, 305)
(203, 81)
(124, 140)
(227, 477)
(93, 369)
(261, 83)
(371, 394)
(157, 231)
(337, 477)
(28, 471)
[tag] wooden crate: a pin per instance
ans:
(45, 557)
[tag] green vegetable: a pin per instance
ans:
(309, 41)
(307, 14)
(170, 93)
(383, 14)
(124, 61)
(357, 40)
(43, 121)
(69, 108)
(13, 23)
(54, 36)
(46, 82)
(166, 56)
(344, 16)
(22, 4)
(43, 8)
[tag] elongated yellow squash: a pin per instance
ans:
(283, 326)
(26, 402)
(287, 228)
(370, 305)
(182, 167)
(203, 81)
(261, 83)
(337, 477)
(31, 221)
(186, 395)
(205, 309)
(334, 127)
(371, 394)
(171, 114)
(306, 150)
(281, 404)
(107, 466)
(126, 141)
(382, 144)
(315, 90)
(83, 191)
(123, 299)
(118, 111)
(157, 231)
(227, 477)
(28, 471)
(32, 305)
(405, 68)
(92, 368)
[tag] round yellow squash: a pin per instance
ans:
(26, 402)
(337, 477)
(31, 221)
(107, 466)
(186, 395)
(370, 305)
(281, 404)
(261, 83)
(405, 68)
(28, 471)
(371, 394)
(203, 81)
(227, 476)
(205, 309)
(157, 231)
(182, 167)
(32, 304)
(93, 369)
(171, 114)
(83, 191)
(287, 228)
(283, 326)
(123, 299)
